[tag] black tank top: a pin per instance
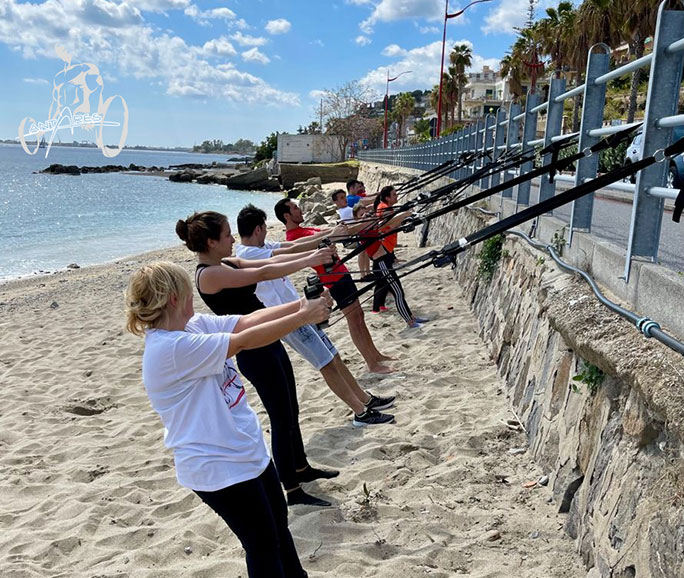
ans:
(230, 301)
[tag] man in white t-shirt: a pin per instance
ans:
(309, 341)
(346, 213)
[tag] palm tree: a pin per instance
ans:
(403, 107)
(638, 26)
(511, 69)
(446, 104)
(450, 93)
(460, 58)
(600, 19)
(555, 33)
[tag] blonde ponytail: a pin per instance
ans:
(148, 293)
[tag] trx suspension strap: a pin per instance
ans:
(433, 170)
(447, 254)
(561, 199)
(411, 223)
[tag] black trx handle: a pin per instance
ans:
(678, 206)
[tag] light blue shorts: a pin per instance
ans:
(312, 344)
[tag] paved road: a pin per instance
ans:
(611, 221)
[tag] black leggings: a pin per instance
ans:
(270, 372)
(256, 512)
(382, 268)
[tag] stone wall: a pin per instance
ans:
(614, 456)
(291, 173)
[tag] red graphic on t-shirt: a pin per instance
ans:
(232, 387)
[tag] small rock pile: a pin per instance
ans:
(314, 202)
(201, 177)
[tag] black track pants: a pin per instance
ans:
(256, 512)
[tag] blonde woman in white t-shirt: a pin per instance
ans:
(219, 449)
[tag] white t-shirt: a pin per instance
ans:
(274, 292)
(215, 435)
(346, 214)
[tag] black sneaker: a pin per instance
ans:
(371, 417)
(379, 403)
(299, 496)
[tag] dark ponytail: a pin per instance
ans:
(198, 228)
(182, 230)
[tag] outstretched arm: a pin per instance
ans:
(268, 325)
(218, 277)
(312, 241)
(284, 258)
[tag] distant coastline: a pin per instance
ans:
(132, 147)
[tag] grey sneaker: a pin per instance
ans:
(379, 403)
(371, 417)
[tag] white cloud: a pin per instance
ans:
(204, 17)
(218, 47)
(103, 12)
(247, 40)
(393, 50)
(393, 10)
(161, 5)
(318, 94)
(428, 29)
(36, 81)
(317, 42)
(424, 64)
(278, 26)
(253, 55)
(134, 50)
(506, 16)
(362, 40)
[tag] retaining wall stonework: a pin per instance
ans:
(614, 457)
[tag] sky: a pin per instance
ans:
(192, 70)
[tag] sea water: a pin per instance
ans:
(49, 221)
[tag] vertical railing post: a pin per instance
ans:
(512, 138)
(554, 125)
(442, 152)
(459, 150)
(592, 117)
(529, 134)
(467, 137)
(499, 133)
(487, 145)
(477, 144)
(663, 99)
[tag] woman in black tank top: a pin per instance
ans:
(227, 286)
(229, 301)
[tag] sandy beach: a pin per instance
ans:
(89, 489)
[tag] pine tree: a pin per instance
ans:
(530, 14)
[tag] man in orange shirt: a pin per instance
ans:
(339, 282)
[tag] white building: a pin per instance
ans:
(485, 93)
(308, 148)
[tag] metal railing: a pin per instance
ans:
(501, 133)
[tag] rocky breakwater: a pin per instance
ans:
(57, 169)
(602, 406)
(214, 173)
(314, 201)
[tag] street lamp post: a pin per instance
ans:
(384, 140)
(441, 69)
